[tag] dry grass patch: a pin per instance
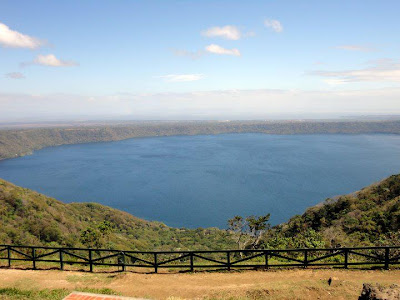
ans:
(276, 284)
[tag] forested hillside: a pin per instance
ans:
(30, 218)
(18, 142)
(368, 217)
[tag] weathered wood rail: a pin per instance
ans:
(382, 257)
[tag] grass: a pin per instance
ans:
(90, 279)
(46, 294)
(236, 285)
(15, 293)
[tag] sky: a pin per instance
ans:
(172, 60)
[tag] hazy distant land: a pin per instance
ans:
(22, 141)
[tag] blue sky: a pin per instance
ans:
(198, 59)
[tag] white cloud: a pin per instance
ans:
(15, 75)
(355, 48)
(15, 39)
(222, 104)
(222, 51)
(380, 71)
(228, 32)
(388, 62)
(275, 25)
(182, 77)
(52, 61)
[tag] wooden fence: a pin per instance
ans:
(382, 257)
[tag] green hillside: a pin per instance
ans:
(367, 217)
(30, 218)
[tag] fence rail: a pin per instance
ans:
(382, 257)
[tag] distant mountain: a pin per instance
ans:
(374, 117)
(30, 218)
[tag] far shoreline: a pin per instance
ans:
(24, 141)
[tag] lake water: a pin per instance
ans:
(201, 181)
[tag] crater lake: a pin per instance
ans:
(202, 181)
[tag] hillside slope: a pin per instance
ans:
(27, 217)
(370, 216)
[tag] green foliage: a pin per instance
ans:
(308, 239)
(96, 236)
(249, 229)
(236, 224)
(258, 224)
(368, 217)
(14, 293)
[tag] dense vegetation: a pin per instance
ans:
(365, 218)
(18, 142)
(30, 218)
(368, 217)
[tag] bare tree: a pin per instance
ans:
(257, 225)
(237, 225)
(249, 231)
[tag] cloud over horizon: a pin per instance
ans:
(14, 39)
(384, 70)
(182, 77)
(218, 104)
(215, 49)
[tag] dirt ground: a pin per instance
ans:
(272, 284)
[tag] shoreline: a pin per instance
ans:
(21, 142)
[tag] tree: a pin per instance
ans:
(249, 231)
(91, 237)
(95, 237)
(237, 225)
(257, 226)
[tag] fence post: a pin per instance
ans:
(228, 260)
(387, 258)
(123, 261)
(305, 258)
(61, 260)
(191, 261)
(266, 259)
(155, 263)
(34, 258)
(346, 258)
(90, 261)
(9, 255)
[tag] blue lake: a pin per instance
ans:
(201, 181)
